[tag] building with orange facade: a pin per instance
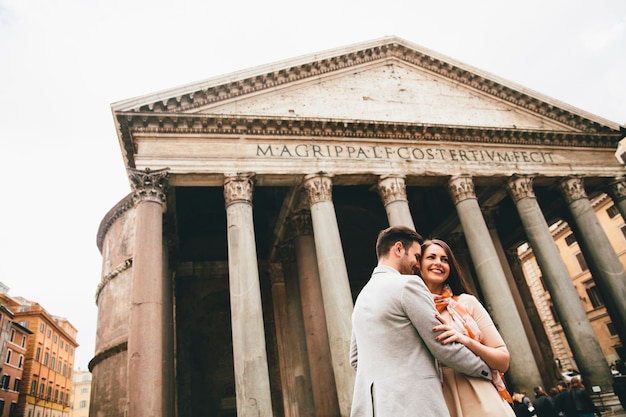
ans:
(48, 360)
(13, 353)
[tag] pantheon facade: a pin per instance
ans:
(255, 199)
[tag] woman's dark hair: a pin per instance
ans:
(389, 236)
(456, 280)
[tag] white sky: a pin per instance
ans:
(63, 62)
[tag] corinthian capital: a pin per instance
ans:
(521, 186)
(149, 185)
(572, 188)
(238, 188)
(319, 187)
(392, 188)
(617, 188)
(461, 187)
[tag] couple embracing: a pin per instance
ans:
(421, 345)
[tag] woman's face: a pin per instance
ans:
(435, 268)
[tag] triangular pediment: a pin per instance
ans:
(389, 90)
(386, 80)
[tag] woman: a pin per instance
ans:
(466, 321)
(582, 400)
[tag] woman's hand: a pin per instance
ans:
(449, 334)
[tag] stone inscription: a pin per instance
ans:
(375, 152)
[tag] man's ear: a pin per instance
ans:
(397, 248)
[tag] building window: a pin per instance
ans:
(581, 261)
(56, 338)
(64, 369)
(62, 342)
(83, 404)
(554, 314)
(56, 395)
(33, 388)
(9, 352)
(12, 337)
(59, 367)
(53, 362)
(612, 211)
(49, 333)
(23, 341)
(6, 379)
(38, 354)
(1, 406)
(42, 390)
(42, 327)
(12, 409)
(69, 372)
(16, 385)
(46, 358)
(594, 296)
(570, 239)
(20, 361)
(84, 390)
(611, 329)
(49, 397)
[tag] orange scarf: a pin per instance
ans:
(463, 322)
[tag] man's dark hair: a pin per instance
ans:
(389, 236)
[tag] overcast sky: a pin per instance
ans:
(63, 62)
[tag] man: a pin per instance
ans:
(393, 347)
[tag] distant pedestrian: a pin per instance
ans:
(543, 405)
(564, 401)
(584, 405)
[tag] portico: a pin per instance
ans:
(260, 197)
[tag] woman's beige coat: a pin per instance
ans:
(393, 350)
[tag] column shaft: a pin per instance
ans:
(318, 347)
(250, 357)
(150, 389)
(335, 284)
(523, 372)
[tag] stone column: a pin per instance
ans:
(150, 361)
(518, 292)
(523, 372)
(252, 382)
(576, 326)
(291, 340)
(318, 347)
(392, 190)
(335, 284)
(617, 191)
(535, 327)
(606, 269)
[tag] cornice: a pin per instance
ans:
(193, 124)
(203, 95)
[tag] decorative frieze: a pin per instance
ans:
(392, 188)
(319, 187)
(521, 186)
(461, 187)
(238, 188)
(572, 188)
(149, 185)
